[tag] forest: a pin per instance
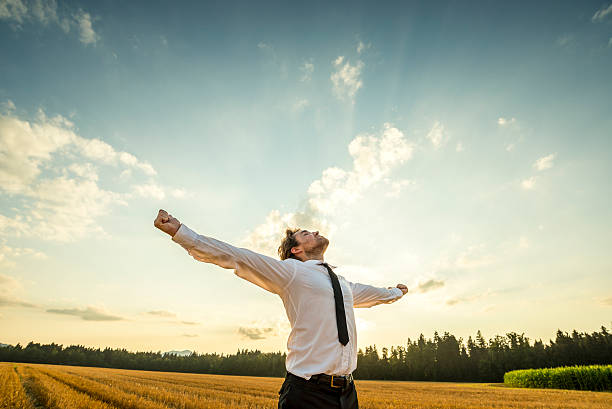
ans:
(441, 358)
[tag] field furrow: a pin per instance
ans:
(13, 394)
(52, 394)
(102, 392)
(180, 396)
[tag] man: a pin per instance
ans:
(322, 345)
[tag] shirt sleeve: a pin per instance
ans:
(266, 272)
(365, 296)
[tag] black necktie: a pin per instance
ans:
(340, 314)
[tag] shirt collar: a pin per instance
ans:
(316, 262)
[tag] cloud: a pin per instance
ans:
(602, 13)
(190, 335)
(300, 105)
(346, 79)
(361, 46)
(172, 316)
(607, 302)
(256, 333)
(465, 299)
(429, 285)
(151, 190)
(7, 253)
(307, 69)
(189, 323)
(501, 121)
(459, 147)
(46, 13)
(437, 135)
(51, 174)
(566, 40)
(396, 187)
(610, 42)
(528, 184)
(8, 287)
(13, 10)
(374, 156)
(87, 314)
(87, 35)
(7, 107)
(162, 313)
(545, 162)
(468, 258)
(179, 193)
(263, 46)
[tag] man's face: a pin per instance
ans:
(312, 243)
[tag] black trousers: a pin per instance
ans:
(298, 393)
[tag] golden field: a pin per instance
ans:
(32, 386)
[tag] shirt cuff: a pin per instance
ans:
(185, 236)
(399, 293)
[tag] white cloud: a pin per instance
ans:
(459, 147)
(87, 35)
(263, 46)
(501, 121)
(602, 13)
(307, 69)
(9, 287)
(397, 186)
(13, 10)
(437, 135)
(610, 42)
(8, 253)
(300, 105)
(150, 189)
(374, 158)
(51, 174)
(545, 162)
(47, 13)
(7, 107)
(528, 184)
(523, 242)
(566, 40)
(346, 79)
(361, 46)
(179, 193)
(510, 147)
(84, 170)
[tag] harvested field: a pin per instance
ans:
(51, 386)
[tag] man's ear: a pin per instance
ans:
(296, 250)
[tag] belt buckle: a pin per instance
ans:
(332, 383)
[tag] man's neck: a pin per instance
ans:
(318, 258)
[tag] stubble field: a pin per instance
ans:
(32, 386)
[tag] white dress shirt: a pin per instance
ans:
(306, 291)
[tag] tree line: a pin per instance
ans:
(443, 358)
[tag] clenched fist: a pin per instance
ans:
(166, 223)
(401, 287)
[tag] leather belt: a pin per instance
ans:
(333, 381)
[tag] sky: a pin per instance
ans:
(462, 149)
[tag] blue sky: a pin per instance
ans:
(462, 149)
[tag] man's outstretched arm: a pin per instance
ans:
(266, 272)
(365, 296)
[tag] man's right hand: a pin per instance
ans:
(166, 223)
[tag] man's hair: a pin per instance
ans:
(287, 243)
